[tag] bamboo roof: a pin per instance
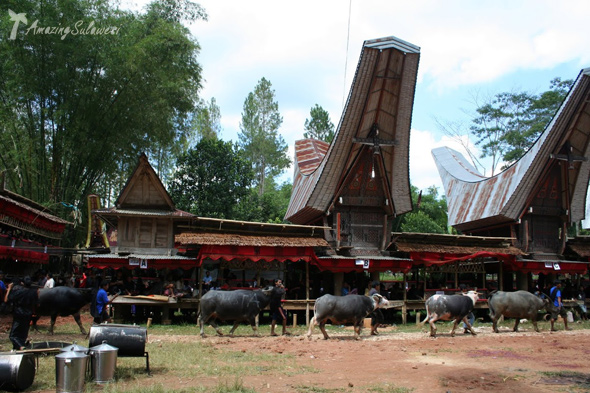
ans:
(452, 244)
(378, 116)
(226, 239)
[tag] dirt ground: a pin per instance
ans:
(488, 362)
(504, 362)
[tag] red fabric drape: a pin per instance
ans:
(375, 265)
(536, 267)
(438, 258)
(163, 263)
(23, 255)
(29, 217)
(256, 254)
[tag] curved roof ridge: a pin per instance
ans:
(502, 197)
(456, 165)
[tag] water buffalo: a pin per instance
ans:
(519, 304)
(62, 301)
(344, 309)
(239, 305)
(450, 307)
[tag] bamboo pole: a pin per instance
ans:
(307, 294)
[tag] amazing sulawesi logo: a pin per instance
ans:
(77, 28)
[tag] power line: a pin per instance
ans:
(346, 59)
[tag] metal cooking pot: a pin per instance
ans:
(70, 371)
(103, 359)
(17, 371)
(129, 339)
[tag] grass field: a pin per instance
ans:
(183, 356)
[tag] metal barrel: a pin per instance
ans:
(129, 339)
(70, 371)
(17, 371)
(103, 359)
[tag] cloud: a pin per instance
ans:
(309, 52)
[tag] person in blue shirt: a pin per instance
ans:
(471, 316)
(2, 286)
(555, 295)
(102, 300)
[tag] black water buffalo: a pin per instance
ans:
(238, 306)
(344, 309)
(62, 301)
(450, 307)
(519, 304)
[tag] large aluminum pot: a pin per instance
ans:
(103, 360)
(17, 371)
(130, 339)
(70, 371)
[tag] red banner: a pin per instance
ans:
(21, 255)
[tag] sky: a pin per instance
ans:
(309, 50)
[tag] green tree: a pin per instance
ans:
(506, 126)
(319, 126)
(207, 120)
(539, 114)
(270, 207)
(76, 109)
(420, 222)
(211, 180)
(495, 119)
(429, 214)
(259, 137)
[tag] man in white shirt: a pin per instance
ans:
(50, 283)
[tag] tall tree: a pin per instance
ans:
(319, 126)
(537, 117)
(211, 180)
(507, 125)
(77, 108)
(207, 120)
(259, 137)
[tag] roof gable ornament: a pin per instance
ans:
(374, 140)
(568, 156)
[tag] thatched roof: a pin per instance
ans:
(378, 114)
(226, 239)
(580, 245)
(452, 244)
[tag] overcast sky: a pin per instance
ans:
(309, 51)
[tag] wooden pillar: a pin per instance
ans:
(405, 306)
(307, 294)
(522, 281)
(501, 276)
(375, 276)
(338, 280)
(200, 289)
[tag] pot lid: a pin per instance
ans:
(71, 354)
(74, 347)
(104, 347)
